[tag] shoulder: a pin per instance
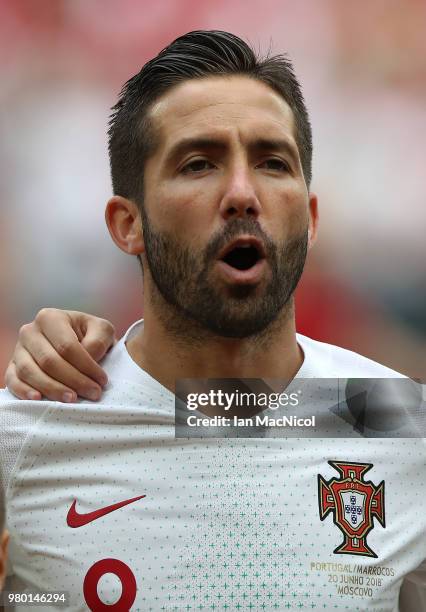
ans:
(7, 398)
(10, 403)
(330, 361)
(18, 416)
(17, 420)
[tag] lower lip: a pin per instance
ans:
(242, 277)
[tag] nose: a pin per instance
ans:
(240, 198)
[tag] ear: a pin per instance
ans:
(4, 541)
(313, 219)
(124, 223)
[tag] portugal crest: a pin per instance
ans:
(353, 502)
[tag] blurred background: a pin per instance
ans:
(363, 70)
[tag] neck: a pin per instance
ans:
(169, 351)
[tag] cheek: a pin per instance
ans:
(182, 210)
(291, 213)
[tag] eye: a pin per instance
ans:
(196, 166)
(274, 163)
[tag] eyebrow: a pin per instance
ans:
(275, 145)
(209, 143)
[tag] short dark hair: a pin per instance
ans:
(194, 55)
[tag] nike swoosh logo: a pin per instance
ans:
(75, 519)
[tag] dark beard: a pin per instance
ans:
(182, 279)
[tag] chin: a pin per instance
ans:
(239, 328)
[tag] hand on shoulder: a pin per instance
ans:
(56, 356)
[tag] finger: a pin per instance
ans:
(55, 326)
(17, 387)
(45, 359)
(99, 336)
(28, 372)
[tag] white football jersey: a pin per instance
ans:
(104, 503)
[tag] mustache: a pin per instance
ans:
(232, 230)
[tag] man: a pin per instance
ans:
(210, 154)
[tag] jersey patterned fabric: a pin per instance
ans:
(104, 503)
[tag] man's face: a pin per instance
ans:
(226, 208)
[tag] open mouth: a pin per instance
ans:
(243, 253)
(242, 257)
(243, 261)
